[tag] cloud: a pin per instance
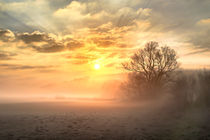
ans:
(201, 39)
(80, 58)
(52, 45)
(6, 55)
(104, 41)
(204, 21)
(200, 35)
(111, 55)
(110, 65)
(83, 57)
(73, 44)
(110, 36)
(178, 15)
(92, 14)
(75, 10)
(79, 62)
(197, 52)
(23, 67)
(49, 48)
(6, 35)
(185, 21)
(35, 36)
(41, 41)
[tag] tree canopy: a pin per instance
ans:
(153, 63)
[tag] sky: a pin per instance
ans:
(50, 48)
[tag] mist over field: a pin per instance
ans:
(181, 114)
(104, 70)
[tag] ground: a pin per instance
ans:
(103, 121)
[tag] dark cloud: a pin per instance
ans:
(23, 67)
(41, 41)
(6, 35)
(34, 37)
(48, 44)
(49, 48)
(6, 55)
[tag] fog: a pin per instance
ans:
(180, 111)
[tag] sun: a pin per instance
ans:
(96, 66)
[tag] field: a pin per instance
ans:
(102, 120)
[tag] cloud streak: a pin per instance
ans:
(22, 67)
(6, 55)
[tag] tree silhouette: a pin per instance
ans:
(152, 64)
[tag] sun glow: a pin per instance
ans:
(96, 66)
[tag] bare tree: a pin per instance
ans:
(153, 64)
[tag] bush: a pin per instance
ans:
(192, 88)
